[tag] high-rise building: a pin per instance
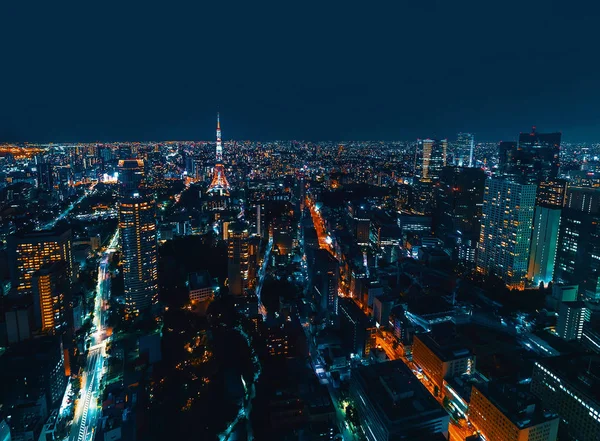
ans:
(504, 412)
(29, 252)
(460, 201)
(430, 158)
(393, 405)
(51, 298)
(566, 385)
(463, 150)
(505, 237)
(536, 157)
(325, 281)
(584, 199)
(544, 241)
(552, 193)
(578, 250)
(571, 318)
(357, 329)
(237, 258)
(137, 233)
(131, 176)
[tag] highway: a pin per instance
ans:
(86, 412)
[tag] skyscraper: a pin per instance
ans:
(237, 258)
(463, 151)
(536, 157)
(51, 297)
(460, 200)
(137, 229)
(325, 281)
(430, 158)
(578, 250)
(544, 241)
(131, 176)
(29, 252)
(552, 193)
(505, 235)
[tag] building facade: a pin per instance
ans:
(505, 237)
(137, 233)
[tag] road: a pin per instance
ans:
(262, 272)
(66, 211)
(86, 411)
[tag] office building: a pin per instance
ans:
(584, 199)
(571, 318)
(32, 369)
(441, 358)
(325, 281)
(393, 405)
(460, 201)
(51, 298)
(534, 158)
(200, 286)
(578, 250)
(552, 193)
(29, 252)
(237, 258)
(430, 158)
(544, 241)
(506, 413)
(463, 150)
(357, 329)
(568, 385)
(505, 236)
(137, 233)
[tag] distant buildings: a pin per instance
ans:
(392, 404)
(430, 158)
(505, 235)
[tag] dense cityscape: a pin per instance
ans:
(429, 289)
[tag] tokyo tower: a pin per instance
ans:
(219, 185)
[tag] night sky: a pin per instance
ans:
(335, 70)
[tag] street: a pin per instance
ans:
(86, 411)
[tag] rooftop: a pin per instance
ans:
(395, 393)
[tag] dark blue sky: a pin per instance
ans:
(129, 70)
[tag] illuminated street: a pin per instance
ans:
(86, 411)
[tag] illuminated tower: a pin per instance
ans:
(219, 185)
(238, 258)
